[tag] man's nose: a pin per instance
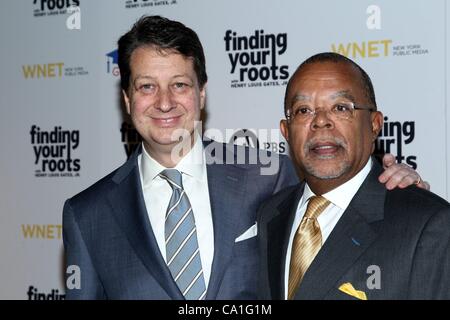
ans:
(165, 101)
(322, 119)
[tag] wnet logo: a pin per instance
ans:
(373, 49)
(52, 70)
(48, 70)
(42, 231)
(53, 152)
(364, 49)
(254, 59)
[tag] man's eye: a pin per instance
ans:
(180, 85)
(342, 107)
(302, 111)
(145, 87)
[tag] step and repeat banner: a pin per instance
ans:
(62, 123)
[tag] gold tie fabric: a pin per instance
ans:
(306, 244)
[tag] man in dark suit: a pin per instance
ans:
(177, 220)
(341, 234)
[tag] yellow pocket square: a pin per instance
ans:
(348, 289)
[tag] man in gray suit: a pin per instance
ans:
(177, 220)
(341, 234)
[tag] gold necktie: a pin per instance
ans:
(306, 244)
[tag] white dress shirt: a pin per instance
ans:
(157, 193)
(339, 198)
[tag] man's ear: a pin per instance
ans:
(377, 123)
(203, 96)
(284, 129)
(127, 101)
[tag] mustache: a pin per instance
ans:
(313, 142)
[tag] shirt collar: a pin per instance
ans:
(342, 195)
(192, 164)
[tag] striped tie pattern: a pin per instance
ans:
(182, 251)
(306, 244)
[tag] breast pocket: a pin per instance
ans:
(242, 273)
(246, 247)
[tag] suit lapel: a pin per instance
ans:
(278, 231)
(349, 239)
(226, 184)
(128, 208)
(352, 235)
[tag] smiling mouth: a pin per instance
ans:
(166, 122)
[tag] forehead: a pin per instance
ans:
(326, 78)
(150, 58)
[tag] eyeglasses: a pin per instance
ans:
(339, 111)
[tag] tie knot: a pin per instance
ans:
(173, 177)
(316, 205)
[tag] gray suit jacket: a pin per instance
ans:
(404, 232)
(107, 232)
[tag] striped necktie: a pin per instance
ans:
(307, 243)
(182, 251)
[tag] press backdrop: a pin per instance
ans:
(61, 119)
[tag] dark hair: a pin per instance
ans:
(162, 34)
(336, 58)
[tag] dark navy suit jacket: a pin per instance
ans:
(107, 233)
(401, 236)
